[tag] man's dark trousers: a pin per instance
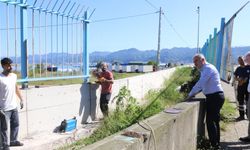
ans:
(214, 103)
(242, 97)
(104, 101)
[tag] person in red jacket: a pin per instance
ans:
(105, 78)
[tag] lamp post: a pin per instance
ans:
(198, 28)
(159, 41)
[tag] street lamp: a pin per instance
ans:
(198, 32)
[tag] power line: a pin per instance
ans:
(173, 28)
(125, 17)
(152, 5)
(95, 21)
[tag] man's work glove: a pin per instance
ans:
(21, 104)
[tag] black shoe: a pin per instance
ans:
(240, 119)
(245, 139)
(16, 143)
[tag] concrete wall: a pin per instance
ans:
(46, 107)
(171, 131)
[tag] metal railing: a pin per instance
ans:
(217, 49)
(45, 41)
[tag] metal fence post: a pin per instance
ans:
(220, 44)
(24, 37)
(85, 49)
(214, 47)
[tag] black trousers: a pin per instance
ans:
(242, 97)
(214, 103)
(104, 101)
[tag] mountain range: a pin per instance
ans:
(176, 54)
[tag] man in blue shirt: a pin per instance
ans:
(210, 85)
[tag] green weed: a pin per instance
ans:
(128, 111)
(228, 112)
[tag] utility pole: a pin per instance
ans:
(198, 28)
(159, 41)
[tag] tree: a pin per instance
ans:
(152, 63)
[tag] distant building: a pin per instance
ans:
(126, 68)
(118, 68)
(145, 68)
(132, 67)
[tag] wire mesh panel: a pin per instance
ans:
(45, 39)
(217, 50)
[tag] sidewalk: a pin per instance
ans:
(234, 130)
(45, 141)
(230, 138)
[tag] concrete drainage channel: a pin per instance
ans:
(165, 130)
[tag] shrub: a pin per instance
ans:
(128, 111)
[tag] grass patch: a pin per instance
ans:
(228, 112)
(125, 75)
(77, 80)
(128, 110)
(168, 95)
(57, 82)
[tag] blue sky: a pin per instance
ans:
(179, 23)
